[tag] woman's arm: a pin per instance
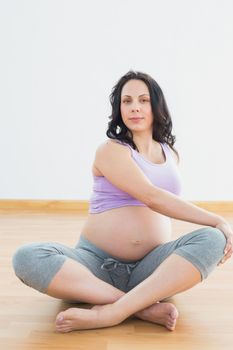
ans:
(173, 206)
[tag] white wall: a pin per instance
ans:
(59, 61)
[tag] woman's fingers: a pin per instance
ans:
(229, 245)
(228, 250)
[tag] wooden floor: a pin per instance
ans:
(27, 316)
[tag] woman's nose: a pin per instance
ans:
(135, 108)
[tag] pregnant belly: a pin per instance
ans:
(127, 233)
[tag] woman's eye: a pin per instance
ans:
(126, 101)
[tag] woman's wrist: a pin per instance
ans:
(220, 221)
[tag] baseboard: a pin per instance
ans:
(83, 205)
(44, 205)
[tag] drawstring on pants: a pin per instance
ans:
(111, 264)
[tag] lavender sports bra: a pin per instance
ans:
(165, 175)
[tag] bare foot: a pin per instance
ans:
(165, 314)
(77, 318)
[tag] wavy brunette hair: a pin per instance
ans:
(162, 123)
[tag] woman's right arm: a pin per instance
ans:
(173, 206)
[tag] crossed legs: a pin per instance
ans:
(174, 275)
(92, 290)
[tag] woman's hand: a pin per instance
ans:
(228, 233)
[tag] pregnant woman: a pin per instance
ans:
(125, 262)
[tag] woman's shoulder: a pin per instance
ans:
(113, 142)
(106, 153)
(109, 148)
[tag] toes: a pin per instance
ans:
(63, 330)
(172, 322)
(60, 319)
(174, 314)
(171, 325)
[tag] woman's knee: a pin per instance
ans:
(22, 259)
(206, 247)
(215, 241)
(36, 263)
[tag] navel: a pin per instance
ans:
(136, 241)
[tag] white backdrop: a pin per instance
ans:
(59, 61)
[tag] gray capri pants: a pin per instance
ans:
(36, 264)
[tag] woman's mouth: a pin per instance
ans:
(136, 119)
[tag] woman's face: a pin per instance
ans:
(135, 103)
